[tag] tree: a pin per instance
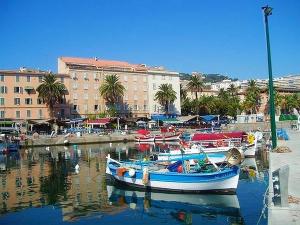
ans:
(183, 93)
(51, 91)
(232, 90)
(195, 85)
(252, 98)
(165, 96)
(112, 89)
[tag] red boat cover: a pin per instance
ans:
(218, 136)
(143, 132)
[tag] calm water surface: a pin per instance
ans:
(42, 186)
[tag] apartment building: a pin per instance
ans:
(19, 98)
(140, 82)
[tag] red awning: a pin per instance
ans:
(101, 121)
(217, 136)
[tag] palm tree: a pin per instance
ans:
(165, 96)
(195, 85)
(183, 93)
(252, 99)
(51, 91)
(112, 89)
(232, 90)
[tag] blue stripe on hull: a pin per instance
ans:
(183, 177)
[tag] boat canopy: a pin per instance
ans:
(218, 136)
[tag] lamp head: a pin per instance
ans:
(267, 10)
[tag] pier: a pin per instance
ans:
(291, 214)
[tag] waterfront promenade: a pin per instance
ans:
(291, 214)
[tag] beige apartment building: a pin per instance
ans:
(19, 98)
(87, 75)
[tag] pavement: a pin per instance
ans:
(289, 215)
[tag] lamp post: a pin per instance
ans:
(267, 12)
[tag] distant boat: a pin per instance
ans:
(177, 177)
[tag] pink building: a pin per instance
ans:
(19, 98)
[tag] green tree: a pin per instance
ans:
(252, 100)
(195, 85)
(183, 93)
(232, 90)
(165, 96)
(112, 90)
(51, 91)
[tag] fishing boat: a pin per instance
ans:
(9, 144)
(176, 177)
(174, 207)
(172, 137)
(144, 138)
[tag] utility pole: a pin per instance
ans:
(267, 12)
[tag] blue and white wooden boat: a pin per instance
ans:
(169, 178)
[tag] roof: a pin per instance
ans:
(102, 63)
(186, 118)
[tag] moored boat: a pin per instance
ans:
(171, 178)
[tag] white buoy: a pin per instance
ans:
(131, 172)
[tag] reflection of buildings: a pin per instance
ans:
(38, 178)
(20, 185)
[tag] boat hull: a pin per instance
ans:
(222, 181)
(144, 139)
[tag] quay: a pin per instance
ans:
(290, 214)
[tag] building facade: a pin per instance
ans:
(140, 82)
(19, 98)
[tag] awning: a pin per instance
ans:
(6, 123)
(186, 118)
(29, 88)
(208, 118)
(101, 121)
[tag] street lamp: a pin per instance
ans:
(267, 12)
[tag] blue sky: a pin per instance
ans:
(209, 36)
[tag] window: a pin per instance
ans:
(125, 78)
(96, 107)
(145, 79)
(28, 113)
(73, 75)
(135, 88)
(75, 96)
(170, 77)
(145, 105)
(86, 86)
(85, 96)
(17, 78)
(17, 101)
(18, 114)
(39, 101)
(2, 114)
(163, 77)
(85, 107)
(1, 77)
(154, 86)
(75, 107)
(145, 88)
(3, 89)
(85, 76)
(40, 113)
(28, 78)
(95, 86)
(135, 106)
(2, 101)
(135, 78)
(153, 77)
(75, 86)
(95, 76)
(126, 97)
(135, 97)
(18, 90)
(96, 97)
(28, 101)
(62, 79)
(40, 79)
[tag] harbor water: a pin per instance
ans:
(59, 185)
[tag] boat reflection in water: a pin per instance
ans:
(187, 208)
